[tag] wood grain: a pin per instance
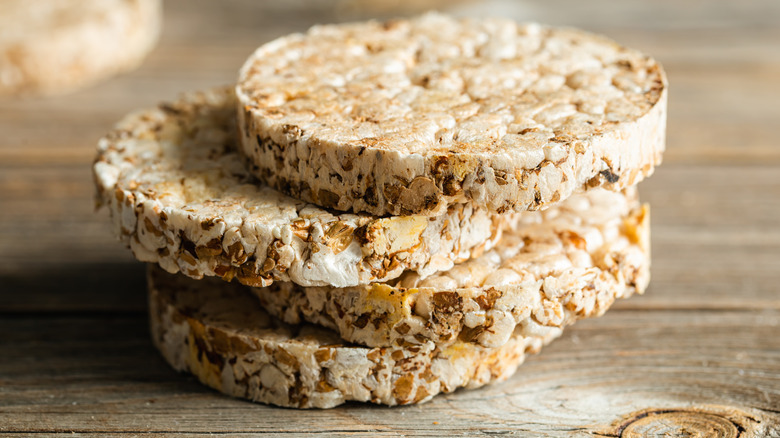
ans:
(700, 351)
(601, 370)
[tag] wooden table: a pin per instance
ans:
(701, 348)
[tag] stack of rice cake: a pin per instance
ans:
(451, 194)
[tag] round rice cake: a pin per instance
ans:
(411, 116)
(557, 266)
(218, 332)
(56, 46)
(180, 196)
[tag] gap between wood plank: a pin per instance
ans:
(142, 313)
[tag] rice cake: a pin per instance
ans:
(179, 196)
(566, 263)
(218, 332)
(57, 46)
(411, 116)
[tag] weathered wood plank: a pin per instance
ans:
(100, 373)
(723, 67)
(716, 244)
(681, 195)
(719, 115)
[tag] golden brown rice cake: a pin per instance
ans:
(179, 196)
(411, 116)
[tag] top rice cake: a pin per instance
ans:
(410, 116)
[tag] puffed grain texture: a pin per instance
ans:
(180, 196)
(57, 46)
(218, 332)
(410, 116)
(566, 263)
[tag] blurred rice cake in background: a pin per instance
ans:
(52, 47)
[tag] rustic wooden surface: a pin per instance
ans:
(699, 352)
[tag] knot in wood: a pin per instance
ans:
(688, 422)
